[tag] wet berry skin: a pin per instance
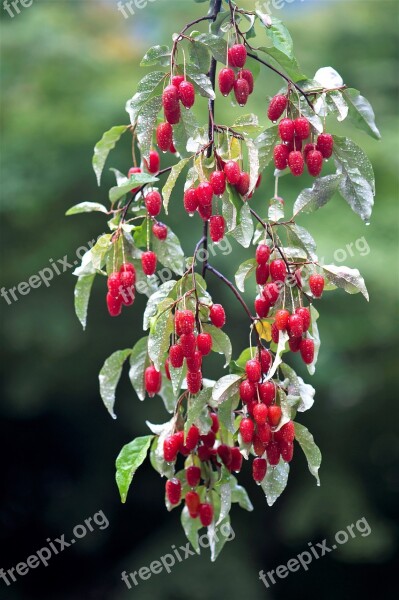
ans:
(274, 415)
(262, 254)
(164, 136)
(306, 348)
(237, 55)
(173, 490)
(253, 370)
(286, 130)
(190, 200)
(193, 503)
(241, 91)
(206, 514)
(226, 81)
(218, 182)
(281, 319)
(160, 231)
(152, 380)
(325, 144)
(187, 94)
(247, 429)
(247, 390)
(296, 163)
(217, 315)
(316, 284)
(204, 343)
(280, 155)
(232, 172)
(277, 106)
(314, 162)
(149, 262)
(278, 270)
(259, 467)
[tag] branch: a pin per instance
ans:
(128, 204)
(233, 289)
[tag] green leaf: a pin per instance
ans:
(226, 412)
(201, 82)
(220, 341)
(244, 231)
(239, 364)
(225, 387)
(217, 45)
(160, 332)
(199, 55)
(167, 395)
(139, 361)
(323, 189)
(243, 272)
(191, 528)
(109, 377)
(313, 333)
(104, 147)
(265, 143)
(239, 495)
(361, 113)
(145, 90)
(253, 159)
(177, 376)
(276, 210)
(300, 394)
(157, 460)
(357, 187)
(154, 300)
(311, 451)
(280, 37)
(183, 131)
(146, 122)
(169, 252)
(336, 102)
(289, 65)
(85, 207)
(275, 481)
(281, 347)
(247, 125)
(219, 24)
(82, 295)
(300, 238)
(171, 181)
(157, 56)
(348, 279)
(99, 251)
(129, 459)
(196, 405)
(136, 180)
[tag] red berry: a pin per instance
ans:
(259, 467)
(194, 362)
(273, 453)
(306, 348)
(316, 284)
(127, 279)
(226, 81)
(188, 343)
(153, 203)
(258, 446)
(260, 413)
(262, 254)
(271, 292)
(154, 162)
(281, 319)
(274, 416)
(304, 313)
(262, 274)
(253, 370)
(164, 136)
(131, 172)
(204, 343)
(170, 101)
(193, 476)
(286, 433)
(236, 460)
(325, 144)
(177, 80)
(277, 106)
(224, 453)
(265, 360)
(295, 325)
(173, 490)
(302, 128)
(286, 130)
(275, 333)
(190, 200)
(294, 343)
(314, 163)
(128, 267)
(237, 55)
(206, 514)
(184, 321)
(242, 186)
(193, 503)
(232, 172)
(280, 155)
(308, 148)
(296, 163)
(218, 182)
(267, 392)
(160, 231)
(209, 438)
(262, 306)
(247, 428)
(249, 78)
(287, 451)
(114, 305)
(152, 380)
(176, 356)
(187, 94)
(241, 91)
(217, 315)
(205, 212)
(149, 262)
(278, 270)
(172, 148)
(264, 432)
(216, 228)
(247, 390)
(204, 453)
(204, 194)
(114, 284)
(171, 446)
(298, 278)
(194, 382)
(192, 438)
(167, 371)
(215, 423)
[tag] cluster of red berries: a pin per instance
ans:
(152, 165)
(178, 91)
(121, 289)
(293, 133)
(243, 82)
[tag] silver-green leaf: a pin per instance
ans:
(109, 377)
(129, 460)
(311, 451)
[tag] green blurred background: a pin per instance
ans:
(67, 68)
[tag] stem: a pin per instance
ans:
(232, 287)
(129, 202)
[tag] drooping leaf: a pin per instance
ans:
(313, 333)
(139, 361)
(146, 121)
(226, 412)
(220, 341)
(243, 272)
(104, 147)
(301, 238)
(99, 251)
(85, 207)
(217, 45)
(199, 55)
(145, 90)
(136, 180)
(185, 129)
(239, 495)
(167, 395)
(361, 113)
(171, 181)
(157, 56)
(170, 252)
(154, 300)
(289, 64)
(247, 125)
(109, 377)
(299, 392)
(336, 102)
(201, 82)
(160, 331)
(244, 231)
(281, 346)
(280, 37)
(253, 159)
(225, 387)
(82, 295)
(129, 460)
(196, 405)
(323, 189)
(311, 451)
(265, 143)
(276, 210)
(191, 528)
(346, 278)
(275, 481)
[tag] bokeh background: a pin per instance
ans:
(67, 68)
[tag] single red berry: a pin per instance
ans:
(217, 315)
(132, 171)
(194, 362)
(302, 128)
(114, 284)
(172, 148)
(187, 94)
(209, 438)
(325, 144)
(267, 392)
(258, 446)
(127, 279)
(204, 453)
(149, 262)
(152, 380)
(273, 453)
(280, 155)
(224, 453)
(204, 194)
(298, 278)
(262, 274)
(226, 81)
(306, 348)
(170, 101)
(193, 503)
(260, 413)
(253, 370)
(204, 343)
(205, 212)
(153, 203)
(190, 200)
(287, 451)
(154, 162)
(232, 172)
(249, 78)
(236, 460)
(171, 446)
(281, 319)
(314, 163)
(173, 490)
(259, 467)
(262, 306)
(247, 429)
(286, 433)
(216, 228)
(277, 106)
(247, 390)
(308, 148)
(184, 321)
(242, 186)
(264, 432)
(193, 476)
(294, 343)
(114, 305)
(304, 313)
(206, 514)
(286, 130)
(160, 231)
(265, 360)
(295, 325)
(237, 55)
(128, 267)
(316, 284)
(275, 333)
(278, 270)
(176, 356)
(296, 163)
(218, 182)
(262, 254)
(194, 382)
(192, 438)
(215, 423)
(167, 370)
(271, 292)
(177, 80)
(164, 136)
(188, 343)
(241, 91)
(274, 416)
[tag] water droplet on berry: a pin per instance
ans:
(225, 95)
(274, 122)
(187, 107)
(191, 214)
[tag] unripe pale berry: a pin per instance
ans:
(217, 315)
(193, 476)
(190, 200)
(302, 128)
(295, 325)
(204, 194)
(316, 284)
(296, 163)
(274, 415)
(267, 392)
(153, 203)
(160, 231)
(242, 186)
(184, 321)
(194, 382)
(114, 305)
(262, 274)
(173, 490)
(218, 182)
(206, 514)
(277, 106)
(253, 370)
(164, 136)
(286, 130)
(280, 155)
(232, 172)
(149, 262)
(262, 254)
(278, 270)
(314, 162)
(193, 503)
(325, 144)
(152, 380)
(241, 91)
(260, 413)
(237, 55)
(176, 356)
(247, 428)
(154, 162)
(306, 348)
(247, 390)
(281, 319)
(204, 343)
(192, 438)
(249, 78)
(187, 94)
(259, 467)
(226, 81)
(216, 228)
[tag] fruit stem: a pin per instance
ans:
(232, 287)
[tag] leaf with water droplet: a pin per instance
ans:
(311, 451)
(275, 481)
(109, 377)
